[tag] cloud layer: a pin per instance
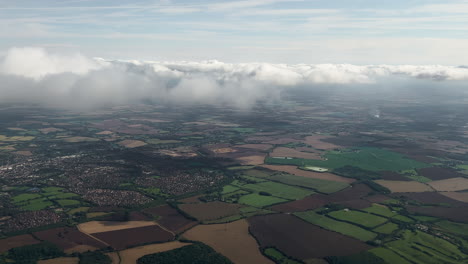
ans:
(32, 75)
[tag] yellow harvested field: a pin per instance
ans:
(308, 174)
(105, 226)
(15, 138)
(231, 240)
(450, 185)
(223, 150)
(315, 141)
(79, 139)
(130, 256)
(132, 143)
(60, 261)
(292, 153)
(404, 186)
(80, 249)
(459, 196)
(49, 130)
(107, 132)
(252, 160)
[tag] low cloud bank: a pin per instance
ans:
(33, 75)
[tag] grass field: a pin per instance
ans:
(380, 210)
(423, 248)
(364, 219)
(388, 256)
(387, 228)
(403, 219)
(229, 189)
(257, 200)
(35, 205)
(279, 257)
(373, 159)
(455, 228)
(322, 186)
(25, 197)
(337, 226)
(279, 190)
(67, 202)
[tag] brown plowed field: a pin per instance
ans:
(308, 174)
(430, 198)
(404, 186)
(252, 160)
(349, 197)
(450, 185)
(130, 256)
(60, 261)
(436, 173)
(211, 210)
(170, 218)
(451, 213)
(459, 196)
(68, 238)
(16, 241)
(393, 176)
(316, 142)
(292, 153)
(263, 147)
(300, 239)
(125, 238)
(231, 240)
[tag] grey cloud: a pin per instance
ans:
(33, 75)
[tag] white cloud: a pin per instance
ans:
(34, 75)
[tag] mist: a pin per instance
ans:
(37, 76)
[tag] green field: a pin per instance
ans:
(389, 256)
(258, 200)
(387, 228)
(257, 173)
(229, 189)
(337, 226)
(403, 219)
(278, 257)
(454, 228)
(372, 159)
(35, 205)
(322, 186)
(78, 210)
(380, 210)
(279, 190)
(25, 197)
(422, 248)
(364, 219)
(67, 202)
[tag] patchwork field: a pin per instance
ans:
(279, 190)
(257, 200)
(302, 240)
(106, 226)
(315, 141)
(134, 236)
(308, 174)
(459, 196)
(132, 143)
(360, 218)
(17, 241)
(263, 147)
(323, 186)
(211, 210)
(68, 238)
(337, 226)
(404, 186)
(170, 218)
(450, 185)
(130, 256)
(231, 240)
(292, 153)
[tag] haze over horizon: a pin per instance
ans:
(274, 31)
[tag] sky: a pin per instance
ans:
(359, 32)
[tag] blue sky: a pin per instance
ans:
(277, 31)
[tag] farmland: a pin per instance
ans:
(231, 240)
(337, 226)
(364, 219)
